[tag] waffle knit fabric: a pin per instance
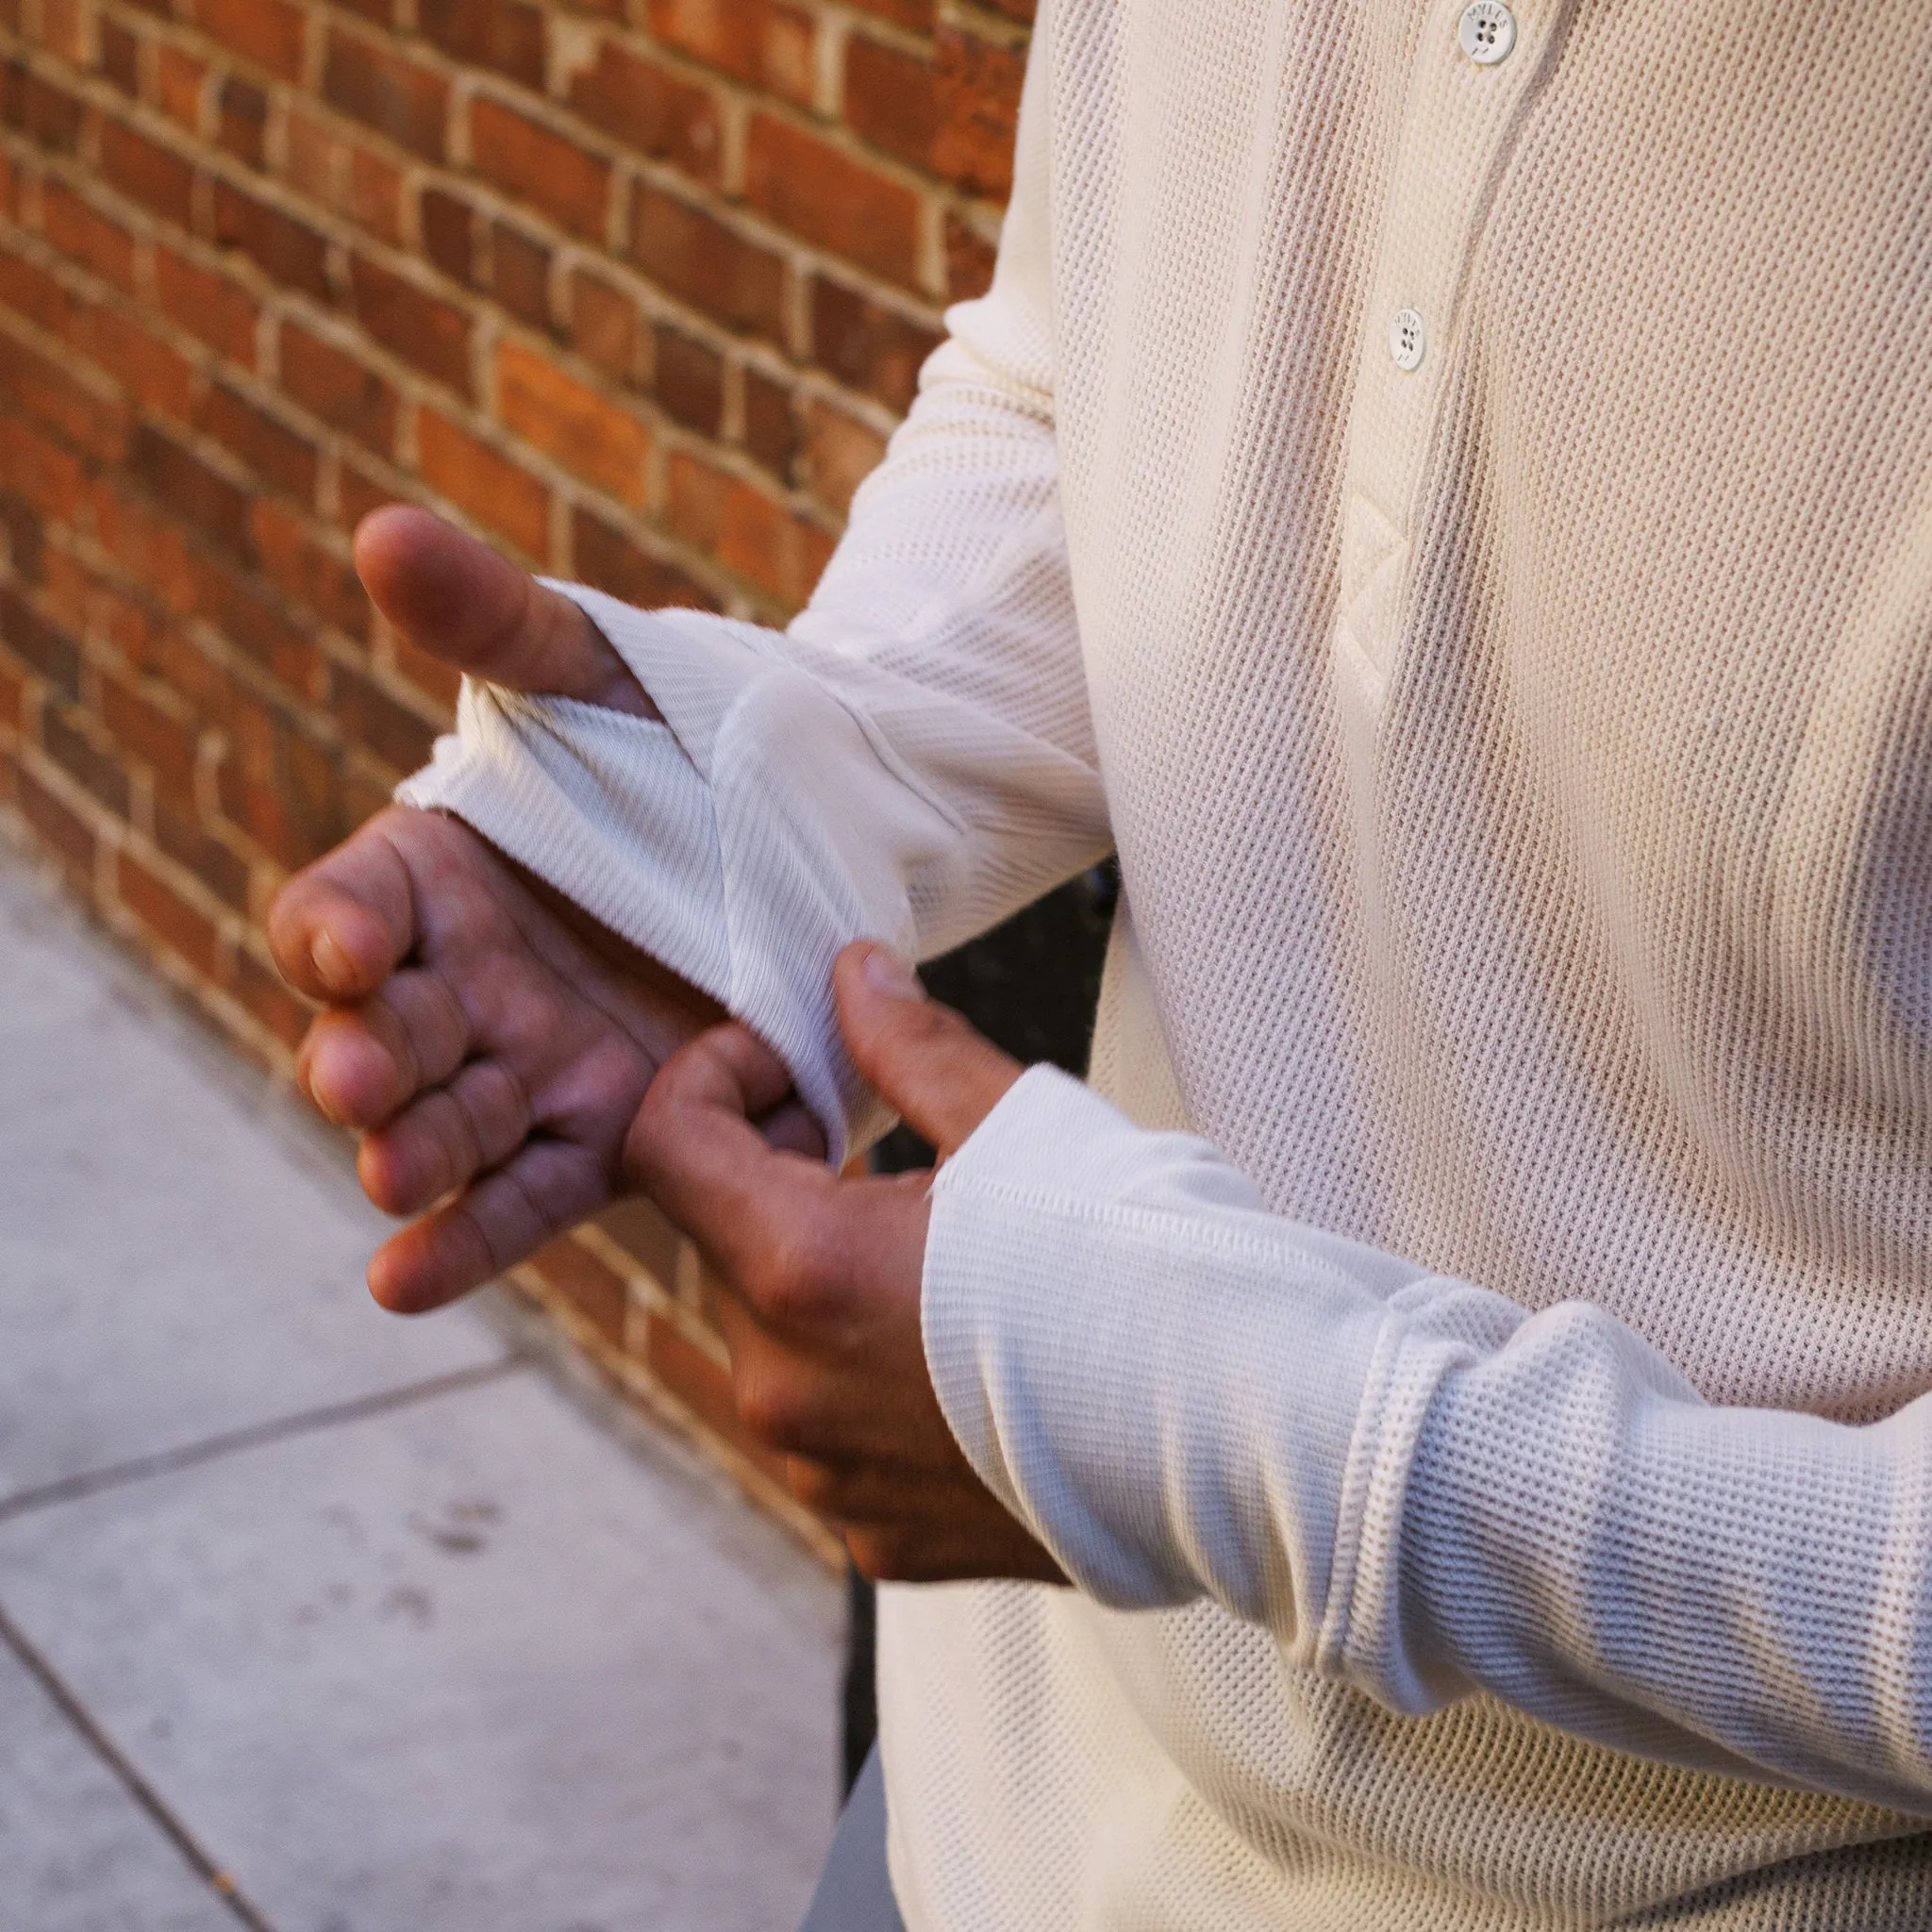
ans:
(1468, 1342)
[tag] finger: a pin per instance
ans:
(341, 926)
(445, 1138)
(361, 1064)
(460, 601)
(941, 1077)
(504, 1218)
(694, 1149)
(791, 1128)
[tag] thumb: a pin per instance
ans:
(460, 601)
(940, 1075)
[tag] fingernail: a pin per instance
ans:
(331, 963)
(886, 973)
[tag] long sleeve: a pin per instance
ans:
(1418, 1485)
(911, 761)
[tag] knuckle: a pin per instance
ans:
(799, 1279)
(819, 1486)
(776, 1412)
(884, 1554)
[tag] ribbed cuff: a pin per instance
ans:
(1161, 1379)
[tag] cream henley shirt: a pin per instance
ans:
(1447, 494)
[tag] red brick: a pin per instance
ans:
(13, 702)
(422, 328)
(222, 312)
(687, 380)
(72, 746)
(287, 250)
(330, 383)
(824, 195)
(597, 1293)
(267, 32)
(309, 574)
(240, 608)
(891, 100)
(606, 558)
(520, 273)
(372, 195)
(436, 681)
(29, 290)
(157, 377)
(970, 259)
(916, 14)
(25, 534)
(37, 470)
(360, 492)
(63, 30)
(604, 325)
(839, 453)
(380, 722)
(39, 643)
(448, 226)
(86, 235)
(180, 926)
(371, 83)
(192, 489)
(979, 110)
(750, 535)
(150, 726)
(181, 86)
(767, 42)
(150, 548)
(33, 105)
(121, 57)
(59, 825)
(292, 806)
(260, 988)
(505, 35)
(144, 171)
(867, 345)
(771, 433)
(603, 444)
(282, 458)
(540, 167)
(651, 110)
(697, 258)
(53, 395)
(483, 482)
(242, 120)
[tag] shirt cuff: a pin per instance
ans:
(691, 837)
(1162, 1380)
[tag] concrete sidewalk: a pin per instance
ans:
(319, 1621)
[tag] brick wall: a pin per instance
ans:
(634, 287)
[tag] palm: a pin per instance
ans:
(490, 1044)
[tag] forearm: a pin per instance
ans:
(1418, 1485)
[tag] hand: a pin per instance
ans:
(489, 1040)
(822, 1310)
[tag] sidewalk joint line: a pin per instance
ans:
(74, 1488)
(137, 1786)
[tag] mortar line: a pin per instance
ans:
(137, 1786)
(257, 1435)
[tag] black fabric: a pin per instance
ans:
(855, 1891)
(859, 1725)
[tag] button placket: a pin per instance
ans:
(1471, 67)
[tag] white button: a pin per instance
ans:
(1408, 339)
(1488, 32)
